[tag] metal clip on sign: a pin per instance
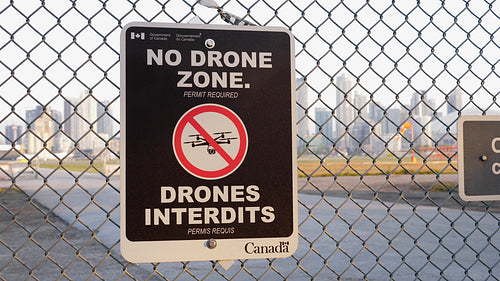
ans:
(226, 16)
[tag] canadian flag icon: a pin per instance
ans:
(137, 35)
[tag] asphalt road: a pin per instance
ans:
(362, 228)
(420, 189)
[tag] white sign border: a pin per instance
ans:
(197, 250)
(461, 171)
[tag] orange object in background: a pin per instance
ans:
(408, 125)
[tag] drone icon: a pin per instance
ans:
(220, 138)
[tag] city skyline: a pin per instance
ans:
(59, 131)
(360, 125)
(363, 116)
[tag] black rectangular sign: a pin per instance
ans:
(479, 158)
(208, 142)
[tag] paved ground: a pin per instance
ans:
(55, 250)
(342, 233)
(417, 189)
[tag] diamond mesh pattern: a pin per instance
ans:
(380, 86)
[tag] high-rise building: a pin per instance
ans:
(375, 117)
(42, 124)
(87, 124)
(302, 122)
(344, 113)
(421, 104)
(392, 120)
(421, 110)
(13, 133)
(70, 124)
(389, 129)
(302, 105)
(344, 94)
(32, 115)
(376, 113)
(361, 105)
(454, 101)
(41, 129)
(360, 128)
(58, 137)
(87, 128)
(105, 122)
(69, 109)
(323, 117)
(417, 103)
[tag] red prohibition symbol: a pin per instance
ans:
(210, 141)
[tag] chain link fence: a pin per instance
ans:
(380, 86)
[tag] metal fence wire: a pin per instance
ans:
(380, 86)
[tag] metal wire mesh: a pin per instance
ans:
(380, 86)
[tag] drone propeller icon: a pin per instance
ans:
(220, 138)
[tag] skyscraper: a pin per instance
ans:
(454, 101)
(41, 129)
(376, 113)
(56, 117)
(344, 113)
(421, 110)
(105, 122)
(302, 105)
(360, 128)
(87, 128)
(68, 125)
(375, 117)
(85, 122)
(302, 122)
(323, 118)
(32, 115)
(13, 132)
(393, 119)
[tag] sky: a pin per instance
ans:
(389, 49)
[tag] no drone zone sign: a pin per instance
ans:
(228, 146)
(208, 143)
